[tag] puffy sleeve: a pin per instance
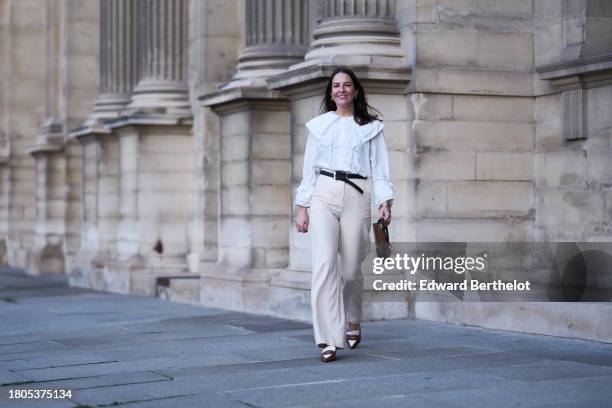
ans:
(379, 162)
(304, 192)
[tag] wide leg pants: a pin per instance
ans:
(340, 220)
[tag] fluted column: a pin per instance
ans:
(356, 27)
(276, 37)
(163, 32)
(118, 57)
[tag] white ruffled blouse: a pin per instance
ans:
(339, 143)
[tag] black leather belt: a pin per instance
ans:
(344, 176)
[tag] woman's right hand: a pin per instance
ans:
(301, 219)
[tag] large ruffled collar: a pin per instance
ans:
(319, 125)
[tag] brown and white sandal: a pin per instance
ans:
(328, 354)
(353, 338)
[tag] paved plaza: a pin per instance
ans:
(115, 350)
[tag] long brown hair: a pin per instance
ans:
(362, 110)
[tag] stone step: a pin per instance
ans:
(179, 288)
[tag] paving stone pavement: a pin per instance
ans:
(115, 350)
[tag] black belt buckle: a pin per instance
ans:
(344, 176)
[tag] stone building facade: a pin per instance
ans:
(153, 146)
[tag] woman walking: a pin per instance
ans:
(345, 163)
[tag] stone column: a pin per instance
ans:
(255, 160)
(118, 57)
(162, 87)
(100, 161)
(356, 27)
(48, 255)
(5, 76)
(155, 156)
(276, 37)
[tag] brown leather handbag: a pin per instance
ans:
(381, 237)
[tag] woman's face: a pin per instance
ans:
(343, 91)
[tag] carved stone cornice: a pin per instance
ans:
(582, 73)
(572, 78)
(50, 139)
(149, 120)
(95, 129)
(238, 99)
(307, 78)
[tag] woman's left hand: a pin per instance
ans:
(385, 213)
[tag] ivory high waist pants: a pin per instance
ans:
(339, 224)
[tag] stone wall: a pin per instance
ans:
(573, 171)
(534, 177)
(473, 128)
